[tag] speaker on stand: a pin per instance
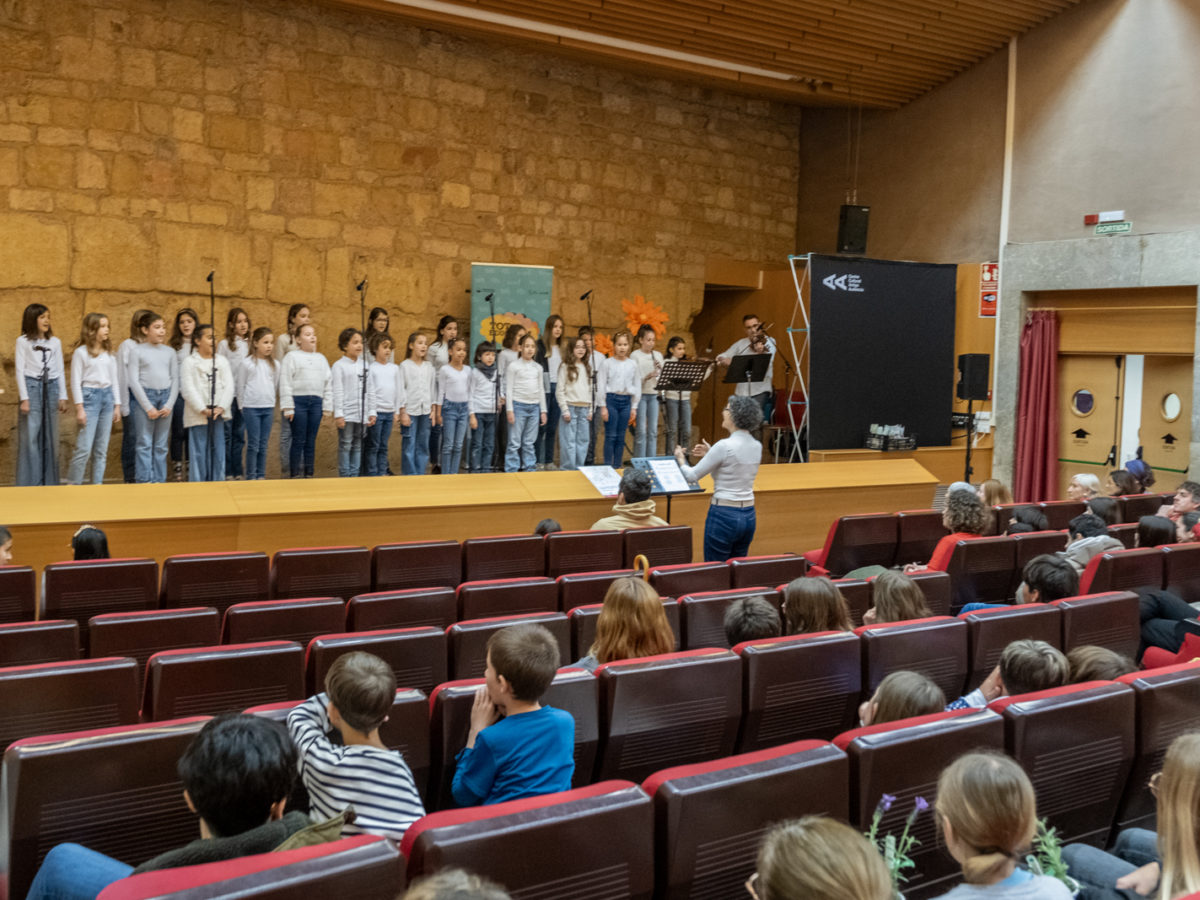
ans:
(852, 229)
(972, 386)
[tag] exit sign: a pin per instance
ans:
(1114, 227)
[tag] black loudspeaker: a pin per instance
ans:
(852, 229)
(973, 376)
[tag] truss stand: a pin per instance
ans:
(801, 327)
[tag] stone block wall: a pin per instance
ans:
(295, 147)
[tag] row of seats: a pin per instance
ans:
(1173, 567)
(673, 826)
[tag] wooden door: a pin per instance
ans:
(1089, 416)
(1165, 432)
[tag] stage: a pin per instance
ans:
(795, 505)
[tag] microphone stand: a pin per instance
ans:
(212, 395)
(490, 300)
(587, 298)
(361, 287)
(43, 437)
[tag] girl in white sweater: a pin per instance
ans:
(526, 406)
(417, 416)
(573, 389)
(206, 406)
(305, 395)
(619, 388)
(235, 348)
(42, 386)
(94, 387)
(256, 389)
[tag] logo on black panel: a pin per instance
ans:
(851, 283)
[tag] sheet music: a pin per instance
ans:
(668, 475)
(604, 479)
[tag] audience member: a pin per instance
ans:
(516, 747)
(1187, 499)
(751, 619)
(1106, 508)
(455, 884)
(1142, 472)
(1087, 536)
(815, 604)
(1046, 578)
(6, 545)
(1083, 486)
(902, 695)
(1025, 666)
(547, 526)
(89, 542)
(964, 487)
(1164, 617)
(1119, 483)
(360, 771)
(964, 517)
(1185, 528)
(1154, 531)
(896, 598)
(988, 815)
(816, 858)
(1026, 519)
(994, 493)
(631, 623)
(1092, 663)
(634, 508)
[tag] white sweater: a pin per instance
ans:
(619, 376)
(483, 393)
(235, 355)
(195, 384)
(419, 387)
(573, 393)
(305, 374)
(387, 384)
(523, 383)
(347, 375)
(257, 383)
(99, 371)
(453, 385)
(29, 364)
(646, 363)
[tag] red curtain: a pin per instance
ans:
(1036, 473)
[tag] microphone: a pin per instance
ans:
(489, 298)
(362, 284)
(210, 276)
(586, 295)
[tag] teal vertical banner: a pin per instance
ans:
(522, 294)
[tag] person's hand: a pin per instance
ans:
(288, 414)
(701, 448)
(910, 568)
(218, 412)
(25, 406)
(473, 422)
(604, 413)
(680, 453)
(326, 414)
(483, 713)
(543, 418)
(340, 421)
(590, 414)
(164, 412)
(722, 360)
(80, 414)
(992, 687)
(1141, 881)
(63, 406)
(512, 417)
(870, 616)
(116, 415)
(152, 414)
(370, 421)
(405, 419)
(633, 417)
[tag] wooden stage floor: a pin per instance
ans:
(795, 504)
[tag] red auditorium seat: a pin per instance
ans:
(856, 541)
(1108, 620)
(1134, 506)
(1181, 571)
(282, 620)
(50, 640)
(1123, 570)
(214, 680)
(142, 634)
(937, 590)
(586, 588)
(416, 655)
(115, 790)
(702, 615)
(80, 590)
(467, 640)
(1059, 513)
(664, 545)
(689, 578)
(1168, 705)
(1031, 544)
(503, 556)
(1077, 745)
(936, 647)
(905, 759)
(416, 564)
(803, 686)
(766, 571)
(595, 841)
(729, 803)
(667, 710)
(320, 572)
(857, 594)
(989, 631)
(364, 867)
(582, 622)
(18, 594)
(568, 552)
(218, 580)
(919, 531)
(436, 606)
(506, 597)
(981, 571)
(66, 696)
(573, 690)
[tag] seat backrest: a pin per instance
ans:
(702, 615)
(1003, 513)
(689, 578)
(506, 597)
(1059, 513)
(50, 640)
(282, 620)
(213, 680)
(1126, 533)
(729, 803)
(583, 551)
(663, 545)
(919, 531)
(1031, 544)
(595, 841)
(114, 790)
(320, 572)
(586, 588)
(766, 571)
(1077, 745)
(142, 634)
(989, 631)
(363, 866)
(218, 580)
(47, 698)
(667, 710)
(436, 606)
(981, 571)
(937, 588)
(798, 687)
(905, 759)
(1181, 571)
(467, 640)
(857, 594)
(582, 622)
(1108, 620)
(416, 564)
(18, 594)
(1134, 506)
(80, 590)
(1123, 570)
(936, 647)
(504, 556)
(417, 656)
(864, 540)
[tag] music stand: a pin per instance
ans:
(683, 374)
(746, 368)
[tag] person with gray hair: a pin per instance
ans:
(733, 463)
(634, 507)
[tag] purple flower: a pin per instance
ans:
(922, 804)
(886, 801)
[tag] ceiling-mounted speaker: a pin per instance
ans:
(852, 229)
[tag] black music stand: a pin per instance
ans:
(683, 374)
(746, 368)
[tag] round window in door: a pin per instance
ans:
(1172, 406)
(1082, 402)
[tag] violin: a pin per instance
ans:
(758, 340)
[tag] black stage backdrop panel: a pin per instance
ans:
(882, 350)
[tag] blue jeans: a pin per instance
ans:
(91, 442)
(614, 429)
(235, 441)
(73, 872)
(548, 432)
(573, 438)
(37, 456)
(285, 446)
(378, 436)
(414, 451)
(206, 451)
(645, 438)
(454, 432)
(522, 432)
(350, 449)
(258, 421)
(483, 442)
(1098, 871)
(679, 425)
(306, 419)
(153, 435)
(728, 531)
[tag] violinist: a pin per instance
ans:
(756, 341)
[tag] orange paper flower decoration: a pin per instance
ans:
(642, 312)
(503, 320)
(603, 343)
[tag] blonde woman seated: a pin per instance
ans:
(815, 604)
(631, 624)
(902, 695)
(816, 858)
(896, 598)
(964, 517)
